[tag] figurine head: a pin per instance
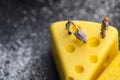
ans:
(106, 19)
(69, 21)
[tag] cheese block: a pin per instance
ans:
(76, 60)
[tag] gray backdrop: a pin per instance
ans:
(24, 33)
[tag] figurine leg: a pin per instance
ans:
(69, 32)
(103, 33)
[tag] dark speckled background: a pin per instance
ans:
(24, 33)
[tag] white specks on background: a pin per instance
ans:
(61, 4)
(33, 12)
(44, 9)
(33, 34)
(25, 18)
(65, 10)
(77, 3)
(23, 62)
(8, 21)
(24, 11)
(101, 12)
(96, 16)
(33, 19)
(111, 15)
(116, 14)
(60, 15)
(82, 11)
(14, 25)
(46, 12)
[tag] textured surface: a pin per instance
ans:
(24, 32)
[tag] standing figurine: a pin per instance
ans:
(68, 26)
(104, 26)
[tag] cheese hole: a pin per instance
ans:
(79, 69)
(70, 48)
(93, 59)
(93, 42)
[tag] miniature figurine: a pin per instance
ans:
(104, 26)
(80, 35)
(68, 26)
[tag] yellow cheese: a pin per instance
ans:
(82, 61)
(112, 72)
